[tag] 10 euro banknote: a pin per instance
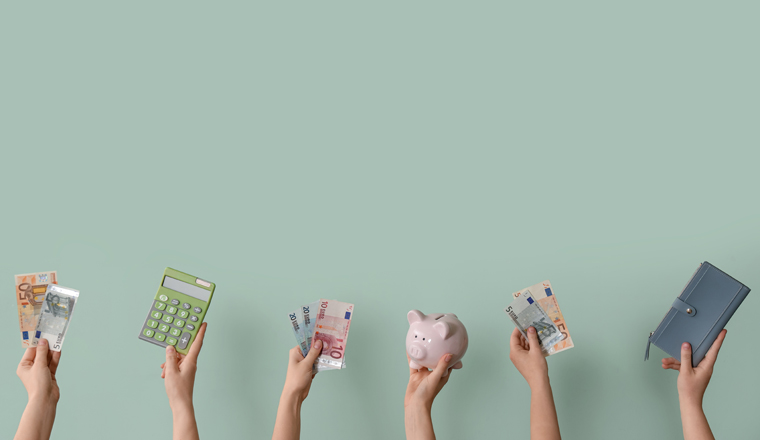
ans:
(547, 300)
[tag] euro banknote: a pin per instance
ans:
(545, 295)
(525, 312)
(55, 316)
(331, 326)
(297, 326)
(302, 323)
(30, 294)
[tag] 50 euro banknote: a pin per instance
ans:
(30, 294)
(544, 295)
(55, 315)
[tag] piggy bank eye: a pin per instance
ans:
(415, 336)
(423, 339)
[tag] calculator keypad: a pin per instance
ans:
(170, 322)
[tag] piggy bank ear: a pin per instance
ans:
(442, 328)
(414, 316)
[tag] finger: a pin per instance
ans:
(408, 361)
(195, 349)
(514, 340)
(314, 352)
(42, 353)
(163, 365)
(28, 357)
(54, 360)
(533, 339)
(171, 359)
(686, 357)
(443, 364)
(712, 354)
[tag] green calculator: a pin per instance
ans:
(177, 311)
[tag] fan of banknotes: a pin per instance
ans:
(44, 309)
(327, 320)
(536, 306)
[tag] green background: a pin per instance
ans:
(428, 155)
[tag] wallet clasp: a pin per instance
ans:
(683, 307)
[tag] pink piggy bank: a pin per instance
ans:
(432, 336)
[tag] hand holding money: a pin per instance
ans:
(37, 372)
(528, 358)
(301, 372)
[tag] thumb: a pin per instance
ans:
(443, 364)
(686, 357)
(41, 358)
(533, 339)
(315, 351)
(171, 359)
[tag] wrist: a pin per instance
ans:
(539, 383)
(419, 406)
(687, 400)
(181, 405)
(292, 397)
(42, 400)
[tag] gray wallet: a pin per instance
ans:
(699, 313)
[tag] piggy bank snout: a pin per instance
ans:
(417, 351)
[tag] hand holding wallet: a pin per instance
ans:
(699, 313)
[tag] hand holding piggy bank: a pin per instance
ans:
(432, 336)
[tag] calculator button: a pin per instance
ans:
(175, 332)
(159, 337)
(179, 323)
(175, 302)
(184, 340)
(194, 318)
(152, 323)
(164, 328)
(186, 305)
(171, 341)
(160, 305)
(183, 314)
(163, 298)
(197, 310)
(190, 327)
(168, 319)
(148, 332)
(171, 310)
(157, 315)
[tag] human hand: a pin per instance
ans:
(179, 371)
(424, 385)
(301, 371)
(37, 372)
(693, 381)
(527, 357)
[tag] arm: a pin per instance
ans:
(297, 385)
(692, 383)
(531, 363)
(424, 386)
(37, 372)
(179, 374)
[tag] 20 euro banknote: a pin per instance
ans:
(525, 312)
(544, 294)
(55, 316)
(30, 294)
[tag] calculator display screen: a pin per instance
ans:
(188, 289)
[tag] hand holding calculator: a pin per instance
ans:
(177, 310)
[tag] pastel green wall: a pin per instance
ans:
(395, 155)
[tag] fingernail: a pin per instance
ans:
(43, 342)
(685, 345)
(318, 344)
(169, 348)
(531, 330)
(447, 358)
